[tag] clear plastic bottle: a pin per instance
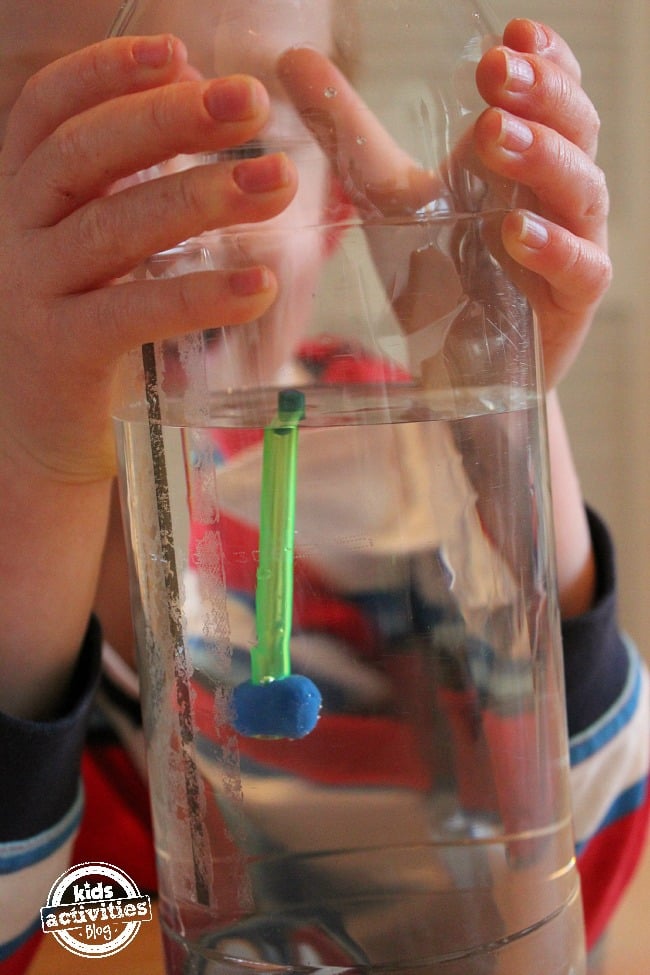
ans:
(423, 825)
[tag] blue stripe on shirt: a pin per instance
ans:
(586, 744)
(20, 854)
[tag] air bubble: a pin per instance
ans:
(330, 92)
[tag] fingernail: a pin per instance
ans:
(249, 281)
(262, 175)
(520, 75)
(153, 52)
(232, 99)
(542, 40)
(532, 232)
(515, 135)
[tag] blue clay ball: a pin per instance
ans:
(283, 708)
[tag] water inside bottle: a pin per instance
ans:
(424, 825)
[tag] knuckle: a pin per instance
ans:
(157, 106)
(598, 196)
(102, 65)
(596, 123)
(561, 158)
(570, 101)
(591, 125)
(70, 146)
(191, 194)
(167, 120)
(32, 99)
(604, 275)
(68, 154)
(564, 91)
(170, 112)
(94, 231)
(562, 97)
(93, 68)
(592, 267)
(574, 256)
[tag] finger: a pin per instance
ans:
(578, 272)
(563, 277)
(86, 78)
(89, 152)
(569, 186)
(110, 236)
(532, 37)
(375, 172)
(106, 323)
(536, 89)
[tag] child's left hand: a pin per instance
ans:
(540, 130)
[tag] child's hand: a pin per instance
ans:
(542, 131)
(80, 125)
(558, 243)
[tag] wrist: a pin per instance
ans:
(51, 542)
(576, 564)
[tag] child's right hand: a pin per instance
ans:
(81, 124)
